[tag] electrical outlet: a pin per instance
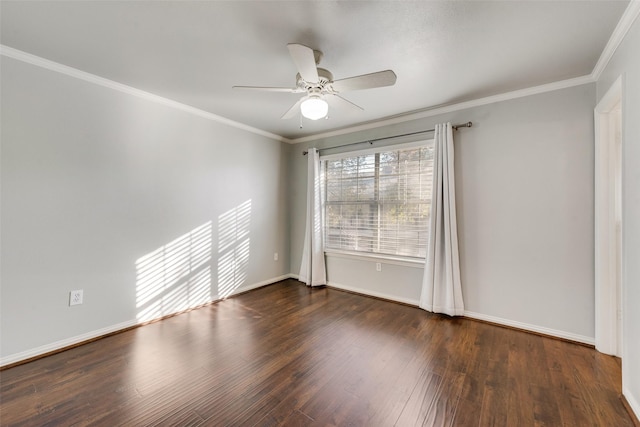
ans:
(75, 297)
(275, 256)
(378, 266)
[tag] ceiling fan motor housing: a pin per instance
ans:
(323, 84)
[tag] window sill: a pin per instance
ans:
(386, 259)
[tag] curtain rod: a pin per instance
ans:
(371, 141)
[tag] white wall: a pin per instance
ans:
(626, 62)
(524, 183)
(95, 179)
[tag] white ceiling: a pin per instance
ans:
(443, 52)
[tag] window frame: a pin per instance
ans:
(404, 260)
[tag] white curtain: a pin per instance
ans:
(312, 269)
(441, 288)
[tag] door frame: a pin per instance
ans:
(609, 255)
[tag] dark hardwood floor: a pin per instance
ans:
(288, 355)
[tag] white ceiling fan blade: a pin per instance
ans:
(339, 103)
(270, 89)
(366, 81)
(293, 110)
(305, 61)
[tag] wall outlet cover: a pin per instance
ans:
(75, 297)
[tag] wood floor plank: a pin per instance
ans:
(288, 355)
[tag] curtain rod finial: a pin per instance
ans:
(463, 125)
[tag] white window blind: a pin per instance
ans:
(379, 202)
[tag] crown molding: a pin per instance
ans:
(626, 21)
(630, 14)
(421, 114)
(101, 81)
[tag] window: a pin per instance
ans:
(379, 202)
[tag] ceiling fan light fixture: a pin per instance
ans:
(314, 108)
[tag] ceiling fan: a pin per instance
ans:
(320, 88)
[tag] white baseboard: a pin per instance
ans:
(470, 314)
(44, 349)
(632, 401)
(58, 345)
(373, 294)
(258, 285)
(533, 328)
(17, 357)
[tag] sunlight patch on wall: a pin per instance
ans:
(234, 228)
(176, 276)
